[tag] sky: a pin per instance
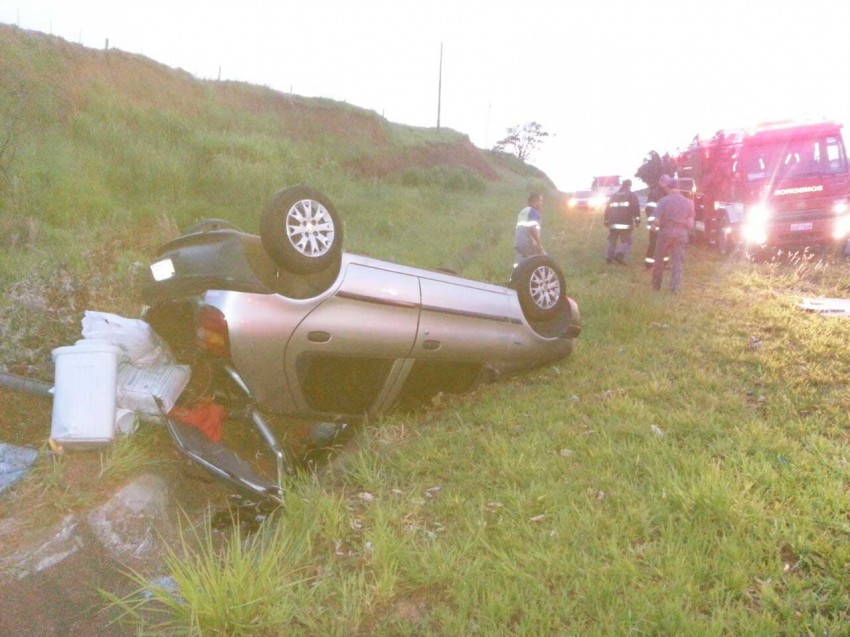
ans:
(609, 80)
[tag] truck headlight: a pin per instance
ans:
(755, 227)
(840, 207)
(842, 227)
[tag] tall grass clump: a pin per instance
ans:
(266, 582)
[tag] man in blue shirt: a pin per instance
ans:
(527, 241)
(674, 216)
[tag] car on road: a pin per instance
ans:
(306, 330)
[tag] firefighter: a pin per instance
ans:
(622, 214)
(655, 193)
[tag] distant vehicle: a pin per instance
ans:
(780, 185)
(603, 187)
(306, 330)
(583, 200)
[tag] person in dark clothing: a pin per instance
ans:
(622, 214)
(655, 194)
(674, 217)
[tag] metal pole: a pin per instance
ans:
(29, 385)
(440, 88)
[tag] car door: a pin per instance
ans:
(462, 327)
(349, 349)
(462, 321)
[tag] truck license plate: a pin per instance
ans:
(799, 227)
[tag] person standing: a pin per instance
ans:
(655, 193)
(622, 214)
(527, 242)
(674, 217)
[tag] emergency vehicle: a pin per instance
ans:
(780, 185)
(603, 187)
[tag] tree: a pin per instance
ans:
(522, 140)
(653, 166)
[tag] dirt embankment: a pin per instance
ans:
(460, 154)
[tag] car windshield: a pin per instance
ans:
(795, 158)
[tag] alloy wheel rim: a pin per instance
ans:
(310, 228)
(544, 287)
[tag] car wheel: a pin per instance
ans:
(540, 287)
(301, 230)
(207, 225)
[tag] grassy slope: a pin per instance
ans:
(544, 504)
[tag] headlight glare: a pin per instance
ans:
(842, 227)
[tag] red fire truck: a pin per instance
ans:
(779, 186)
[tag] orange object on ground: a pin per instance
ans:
(205, 415)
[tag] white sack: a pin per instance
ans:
(139, 344)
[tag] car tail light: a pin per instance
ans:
(212, 331)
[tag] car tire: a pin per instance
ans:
(539, 284)
(301, 230)
(208, 225)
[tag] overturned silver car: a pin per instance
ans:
(306, 330)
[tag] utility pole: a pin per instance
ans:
(440, 88)
(487, 130)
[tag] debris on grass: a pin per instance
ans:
(15, 463)
(433, 491)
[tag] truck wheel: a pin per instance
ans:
(301, 230)
(540, 288)
(725, 243)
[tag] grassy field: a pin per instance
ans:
(684, 472)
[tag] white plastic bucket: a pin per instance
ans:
(84, 392)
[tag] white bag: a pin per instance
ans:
(139, 344)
